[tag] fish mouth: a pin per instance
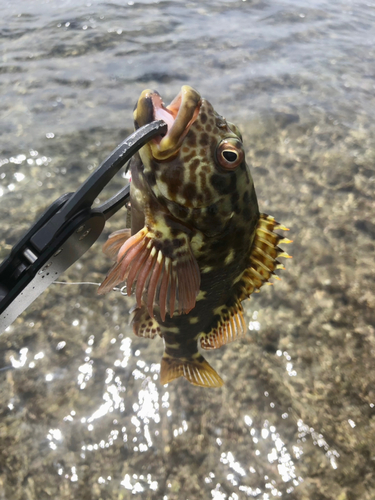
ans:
(179, 116)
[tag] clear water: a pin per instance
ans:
(82, 413)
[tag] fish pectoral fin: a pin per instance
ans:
(143, 324)
(196, 371)
(231, 326)
(115, 241)
(132, 251)
(172, 282)
(111, 248)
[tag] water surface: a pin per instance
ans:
(82, 412)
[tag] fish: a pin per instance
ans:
(198, 245)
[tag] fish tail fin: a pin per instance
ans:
(196, 370)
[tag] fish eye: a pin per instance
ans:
(230, 156)
(229, 153)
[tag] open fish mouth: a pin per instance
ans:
(179, 116)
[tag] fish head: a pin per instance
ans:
(200, 162)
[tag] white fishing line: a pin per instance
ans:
(75, 283)
(122, 290)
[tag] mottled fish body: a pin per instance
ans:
(198, 245)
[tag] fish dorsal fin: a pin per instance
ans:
(231, 326)
(115, 241)
(143, 324)
(264, 254)
(196, 370)
(164, 269)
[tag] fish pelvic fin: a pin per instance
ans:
(143, 324)
(163, 269)
(231, 326)
(264, 254)
(196, 370)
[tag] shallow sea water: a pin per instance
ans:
(82, 412)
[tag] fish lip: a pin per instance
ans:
(179, 115)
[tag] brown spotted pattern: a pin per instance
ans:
(191, 197)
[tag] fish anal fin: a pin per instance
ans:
(196, 370)
(115, 241)
(164, 270)
(231, 326)
(143, 325)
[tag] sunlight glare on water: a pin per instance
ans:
(81, 396)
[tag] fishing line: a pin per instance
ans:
(122, 290)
